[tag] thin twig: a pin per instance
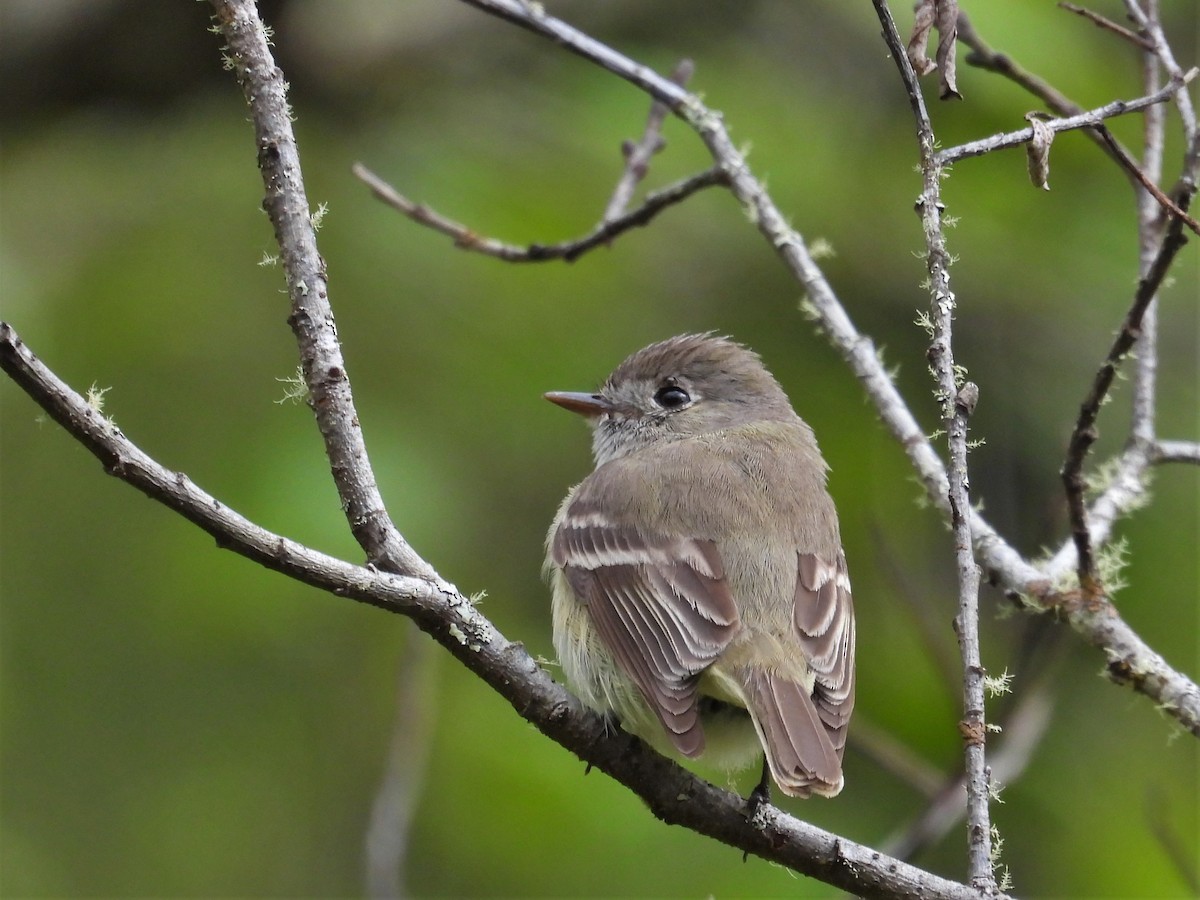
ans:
(1152, 28)
(1176, 452)
(1085, 432)
(1023, 730)
(387, 842)
(1109, 25)
(1149, 219)
(984, 57)
(568, 251)
(958, 403)
(249, 55)
(673, 794)
(1145, 182)
(1090, 120)
(638, 155)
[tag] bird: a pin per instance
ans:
(700, 594)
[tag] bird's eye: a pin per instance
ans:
(672, 396)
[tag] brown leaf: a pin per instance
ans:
(925, 14)
(947, 26)
(942, 14)
(1037, 151)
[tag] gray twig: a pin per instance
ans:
(325, 373)
(1108, 25)
(569, 251)
(1085, 434)
(1092, 120)
(638, 155)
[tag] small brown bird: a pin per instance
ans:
(700, 592)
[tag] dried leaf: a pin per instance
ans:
(947, 26)
(926, 12)
(942, 14)
(1037, 151)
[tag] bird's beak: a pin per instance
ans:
(589, 405)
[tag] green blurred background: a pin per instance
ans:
(175, 721)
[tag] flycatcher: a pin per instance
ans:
(700, 588)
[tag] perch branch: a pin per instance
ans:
(673, 794)
(1086, 119)
(569, 251)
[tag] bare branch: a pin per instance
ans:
(1162, 49)
(1149, 220)
(569, 251)
(1091, 120)
(637, 156)
(984, 57)
(673, 794)
(1108, 25)
(312, 317)
(1176, 451)
(1145, 182)
(958, 403)
(1085, 432)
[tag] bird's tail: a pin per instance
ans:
(800, 754)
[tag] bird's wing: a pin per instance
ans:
(824, 618)
(660, 604)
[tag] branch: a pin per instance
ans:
(312, 322)
(569, 251)
(1091, 119)
(958, 403)
(1087, 119)
(984, 57)
(1152, 29)
(1176, 451)
(1085, 432)
(673, 794)
(637, 156)
(1149, 230)
(1032, 589)
(1108, 25)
